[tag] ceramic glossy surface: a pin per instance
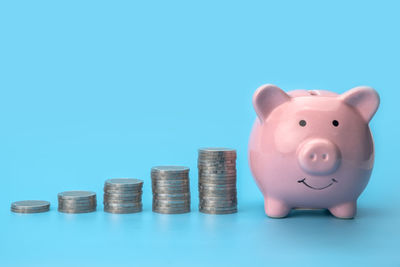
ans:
(312, 148)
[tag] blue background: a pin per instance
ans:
(91, 90)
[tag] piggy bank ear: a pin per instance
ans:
(364, 99)
(267, 98)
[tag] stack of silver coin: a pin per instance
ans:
(217, 180)
(171, 189)
(30, 206)
(123, 195)
(77, 201)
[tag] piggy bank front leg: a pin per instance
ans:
(275, 208)
(344, 210)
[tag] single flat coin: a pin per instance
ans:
(170, 169)
(123, 182)
(30, 206)
(76, 194)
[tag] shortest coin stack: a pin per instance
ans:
(77, 201)
(217, 180)
(123, 195)
(171, 189)
(30, 206)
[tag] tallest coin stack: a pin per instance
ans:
(217, 180)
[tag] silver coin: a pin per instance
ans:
(171, 211)
(215, 178)
(219, 184)
(171, 198)
(217, 192)
(28, 211)
(107, 200)
(217, 152)
(170, 168)
(218, 209)
(122, 195)
(88, 204)
(114, 207)
(215, 201)
(122, 189)
(171, 202)
(217, 205)
(114, 192)
(30, 204)
(124, 182)
(121, 201)
(169, 179)
(216, 168)
(216, 161)
(75, 206)
(171, 207)
(207, 211)
(78, 202)
(115, 196)
(216, 149)
(217, 188)
(123, 208)
(137, 198)
(170, 192)
(228, 208)
(29, 207)
(166, 184)
(76, 194)
(222, 174)
(124, 211)
(221, 157)
(166, 198)
(76, 211)
(171, 188)
(217, 196)
(169, 174)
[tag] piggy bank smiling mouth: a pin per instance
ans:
(303, 181)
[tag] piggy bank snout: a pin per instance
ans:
(319, 156)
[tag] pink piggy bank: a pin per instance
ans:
(312, 149)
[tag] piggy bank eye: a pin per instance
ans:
(302, 123)
(335, 123)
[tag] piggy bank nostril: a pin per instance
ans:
(325, 156)
(313, 157)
